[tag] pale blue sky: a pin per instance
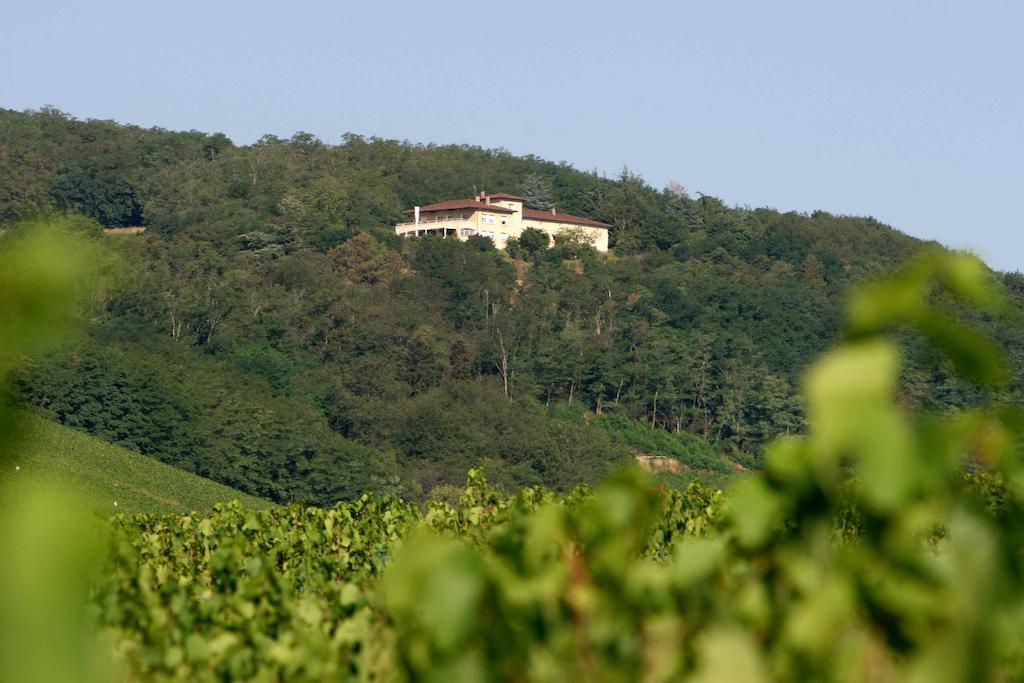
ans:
(912, 112)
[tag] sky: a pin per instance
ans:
(908, 111)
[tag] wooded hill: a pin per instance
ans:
(274, 335)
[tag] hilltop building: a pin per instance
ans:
(499, 217)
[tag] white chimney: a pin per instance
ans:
(416, 213)
(552, 211)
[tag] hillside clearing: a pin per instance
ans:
(108, 479)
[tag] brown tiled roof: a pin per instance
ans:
(502, 195)
(562, 218)
(452, 204)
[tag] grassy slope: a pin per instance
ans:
(97, 474)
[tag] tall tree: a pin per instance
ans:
(536, 192)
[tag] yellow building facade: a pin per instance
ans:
(499, 217)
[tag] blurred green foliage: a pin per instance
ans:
(51, 553)
(311, 594)
(43, 267)
(51, 272)
(884, 545)
(48, 270)
(928, 587)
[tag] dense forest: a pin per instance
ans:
(269, 330)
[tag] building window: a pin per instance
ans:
(487, 233)
(503, 236)
(504, 221)
(487, 218)
(465, 216)
(468, 232)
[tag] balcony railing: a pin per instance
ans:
(436, 226)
